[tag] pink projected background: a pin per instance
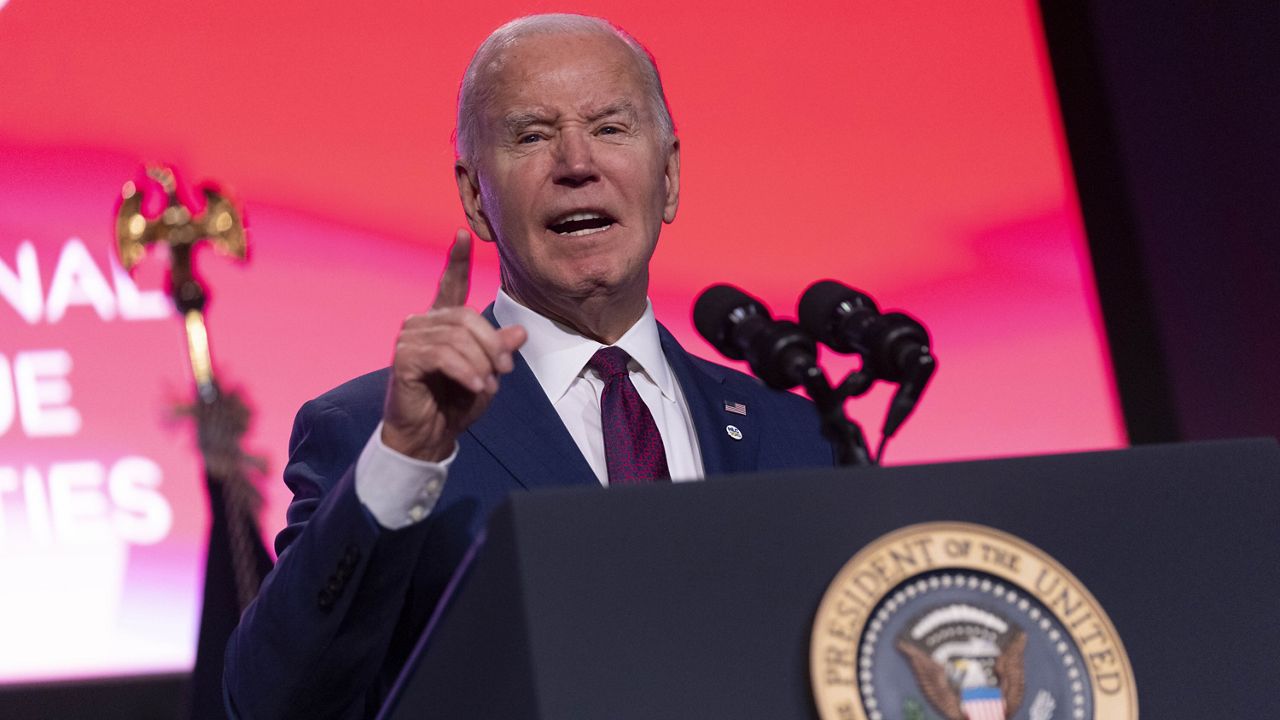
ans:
(910, 150)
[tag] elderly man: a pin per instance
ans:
(568, 161)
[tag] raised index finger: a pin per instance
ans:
(455, 281)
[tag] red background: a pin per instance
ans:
(912, 150)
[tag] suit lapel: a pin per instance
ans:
(707, 395)
(523, 432)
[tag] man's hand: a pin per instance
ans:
(446, 366)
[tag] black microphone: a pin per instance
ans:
(904, 345)
(838, 316)
(894, 346)
(740, 327)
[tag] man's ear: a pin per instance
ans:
(672, 173)
(469, 193)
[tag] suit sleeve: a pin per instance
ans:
(311, 644)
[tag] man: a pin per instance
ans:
(568, 161)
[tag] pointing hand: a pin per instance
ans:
(446, 366)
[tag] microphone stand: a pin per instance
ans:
(845, 434)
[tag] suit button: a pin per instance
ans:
(325, 600)
(348, 563)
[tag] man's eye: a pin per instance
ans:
(610, 130)
(529, 138)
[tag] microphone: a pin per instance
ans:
(740, 327)
(838, 316)
(894, 346)
(912, 365)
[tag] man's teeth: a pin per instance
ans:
(585, 231)
(582, 223)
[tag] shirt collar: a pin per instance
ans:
(556, 354)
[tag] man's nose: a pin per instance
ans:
(575, 165)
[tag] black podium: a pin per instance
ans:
(698, 600)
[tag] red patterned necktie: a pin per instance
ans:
(632, 446)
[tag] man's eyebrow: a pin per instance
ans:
(621, 107)
(520, 120)
(517, 121)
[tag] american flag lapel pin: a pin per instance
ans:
(735, 407)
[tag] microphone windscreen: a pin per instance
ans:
(712, 313)
(819, 310)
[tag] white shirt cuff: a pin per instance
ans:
(398, 490)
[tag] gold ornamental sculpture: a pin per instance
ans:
(222, 418)
(177, 228)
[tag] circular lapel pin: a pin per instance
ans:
(733, 431)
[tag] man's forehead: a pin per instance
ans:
(564, 48)
(536, 64)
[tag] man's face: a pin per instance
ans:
(570, 174)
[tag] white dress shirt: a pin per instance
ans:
(399, 490)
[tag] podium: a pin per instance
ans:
(698, 600)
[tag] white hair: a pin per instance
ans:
(474, 93)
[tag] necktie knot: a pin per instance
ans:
(610, 362)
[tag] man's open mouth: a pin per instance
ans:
(581, 223)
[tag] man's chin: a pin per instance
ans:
(600, 287)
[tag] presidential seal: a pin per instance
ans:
(954, 621)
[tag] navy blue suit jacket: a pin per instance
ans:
(338, 616)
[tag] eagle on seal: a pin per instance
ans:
(960, 687)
